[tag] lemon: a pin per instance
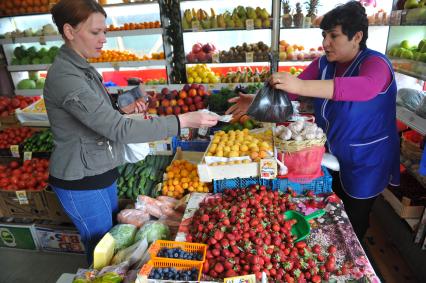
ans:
(197, 80)
(190, 80)
(233, 154)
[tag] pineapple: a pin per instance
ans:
(287, 18)
(298, 17)
(312, 7)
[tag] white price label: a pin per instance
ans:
(28, 155)
(42, 40)
(246, 279)
(249, 57)
(215, 58)
(268, 168)
(22, 197)
(14, 149)
(395, 18)
(249, 24)
(195, 26)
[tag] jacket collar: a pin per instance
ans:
(72, 56)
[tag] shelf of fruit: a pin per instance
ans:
(32, 67)
(21, 8)
(29, 92)
(409, 67)
(127, 3)
(411, 119)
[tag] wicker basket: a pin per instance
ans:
(292, 145)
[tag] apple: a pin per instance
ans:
(192, 108)
(183, 94)
(161, 110)
(293, 70)
(195, 86)
(165, 91)
(197, 99)
(188, 101)
(169, 110)
(201, 92)
(176, 110)
(197, 47)
(300, 56)
(192, 92)
(165, 103)
(201, 56)
(191, 58)
(173, 102)
(185, 108)
(199, 105)
(320, 48)
(180, 102)
(152, 111)
(175, 94)
(405, 44)
(186, 87)
(289, 49)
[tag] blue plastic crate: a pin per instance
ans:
(319, 185)
(220, 185)
(195, 145)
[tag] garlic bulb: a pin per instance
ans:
(298, 138)
(286, 134)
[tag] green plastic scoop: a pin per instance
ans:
(302, 228)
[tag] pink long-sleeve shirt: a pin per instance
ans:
(374, 77)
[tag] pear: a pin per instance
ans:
(410, 4)
(185, 24)
(230, 23)
(264, 14)
(257, 23)
(213, 22)
(221, 21)
(239, 23)
(266, 23)
(205, 24)
(251, 13)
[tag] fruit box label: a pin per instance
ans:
(241, 279)
(22, 197)
(14, 149)
(250, 24)
(58, 240)
(268, 168)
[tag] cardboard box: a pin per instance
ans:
(24, 204)
(54, 238)
(402, 207)
(18, 236)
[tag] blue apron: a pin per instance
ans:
(361, 134)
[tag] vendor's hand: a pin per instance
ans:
(197, 120)
(286, 82)
(242, 104)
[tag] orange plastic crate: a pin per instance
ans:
(181, 265)
(187, 247)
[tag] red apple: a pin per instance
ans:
(161, 110)
(164, 91)
(173, 102)
(196, 86)
(191, 57)
(192, 92)
(188, 101)
(199, 105)
(186, 87)
(300, 56)
(183, 94)
(169, 110)
(180, 102)
(165, 102)
(176, 110)
(185, 108)
(201, 92)
(197, 47)
(197, 99)
(175, 94)
(192, 108)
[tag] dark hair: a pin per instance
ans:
(352, 17)
(74, 12)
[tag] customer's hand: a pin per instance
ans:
(197, 120)
(286, 82)
(140, 106)
(242, 104)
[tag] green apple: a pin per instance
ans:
(423, 57)
(407, 54)
(410, 4)
(293, 70)
(405, 44)
(399, 51)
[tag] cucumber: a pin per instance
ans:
(129, 170)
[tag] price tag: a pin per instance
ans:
(241, 279)
(116, 66)
(22, 197)
(28, 155)
(250, 24)
(215, 58)
(268, 168)
(42, 40)
(195, 26)
(14, 149)
(249, 57)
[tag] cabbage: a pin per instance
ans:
(152, 231)
(123, 235)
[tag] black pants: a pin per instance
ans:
(358, 210)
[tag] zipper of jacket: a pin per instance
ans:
(110, 149)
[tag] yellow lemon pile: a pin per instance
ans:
(240, 143)
(200, 73)
(182, 177)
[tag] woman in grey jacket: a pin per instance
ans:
(88, 132)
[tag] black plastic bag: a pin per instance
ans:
(127, 100)
(270, 105)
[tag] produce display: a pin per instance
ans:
(245, 75)
(32, 175)
(201, 53)
(234, 144)
(32, 56)
(33, 81)
(168, 102)
(10, 8)
(243, 122)
(247, 233)
(235, 20)
(9, 104)
(119, 56)
(160, 81)
(14, 136)
(141, 178)
(132, 26)
(181, 178)
(297, 52)
(200, 73)
(238, 53)
(47, 29)
(299, 131)
(406, 50)
(39, 142)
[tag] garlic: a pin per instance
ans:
(298, 138)
(310, 136)
(279, 130)
(285, 134)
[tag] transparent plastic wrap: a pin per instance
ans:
(127, 100)
(133, 216)
(270, 105)
(123, 235)
(411, 98)
(131, 254)
(85, 275)
(421, 110)
(152, 231)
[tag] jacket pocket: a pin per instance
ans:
(95, 154)
(369, 152)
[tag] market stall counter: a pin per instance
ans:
(331, 231)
